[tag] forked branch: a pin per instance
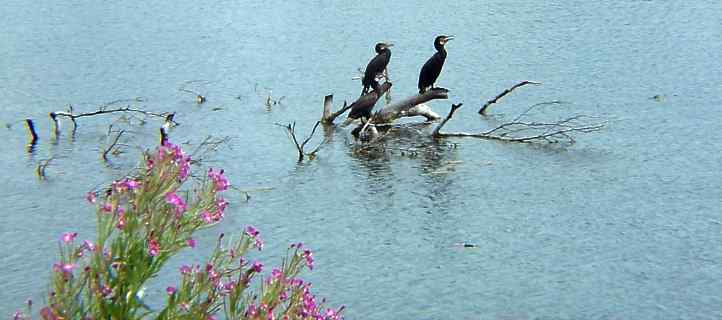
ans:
(301, 147)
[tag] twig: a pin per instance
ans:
(208, 145)
(528, 132)
(482, 111)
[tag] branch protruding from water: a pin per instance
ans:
(518, 130)
(300, 147)
(482, 110)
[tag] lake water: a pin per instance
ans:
(624, 224)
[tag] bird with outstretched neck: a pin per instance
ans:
(432, 68)
(376, 66)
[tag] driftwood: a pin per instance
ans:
(482, 110)
(528, 131)
(408, 107)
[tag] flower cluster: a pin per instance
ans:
(145, 220)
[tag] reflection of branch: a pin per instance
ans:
(42, 165)
(112, 145)
(482, 111)
(291, 131)
(528, 132)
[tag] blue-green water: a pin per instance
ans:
(625, 224)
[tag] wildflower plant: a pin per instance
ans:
(145, 220)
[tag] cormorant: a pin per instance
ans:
(432, 68)
(362, 107)
(376, 66)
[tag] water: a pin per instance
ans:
(623, 224)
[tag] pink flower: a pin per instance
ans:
(66, 268)
(153, 247)
(220, 183)
(177, 202)
(251, 311)
(221, 204)
(87, 245)
(107, 207)
(257, 266)
(206, 217)
(131, 184)
(170, 290)
(191, 242)
(121, 219)
(184, 269)
(90, 197)
(308, 256)
(68, 237)
(251, 231)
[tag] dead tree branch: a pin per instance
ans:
(167, 116)
(529, 131)
(403, 108)
(300, 147)
(365, 101)
(454, 107)
(482, 111)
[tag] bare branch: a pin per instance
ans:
(482, 111)
(167, 116)
(291, 132)
(454, 107)
(208, 145)
(528, 132)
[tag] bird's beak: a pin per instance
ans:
(449, 38)
(389, 45)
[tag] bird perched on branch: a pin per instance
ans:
(432, 68)
(376, 66)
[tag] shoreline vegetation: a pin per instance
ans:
(144, 220)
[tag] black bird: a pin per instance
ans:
(432, 68)
(376, 66)
(362, 107)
